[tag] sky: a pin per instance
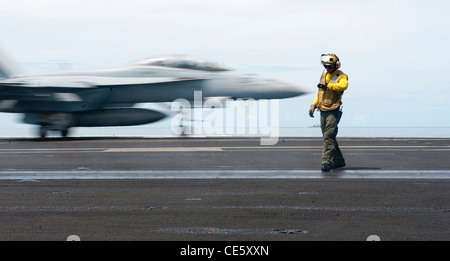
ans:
(394, 52)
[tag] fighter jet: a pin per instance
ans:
(106, 97)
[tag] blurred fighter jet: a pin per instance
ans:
(105, 97)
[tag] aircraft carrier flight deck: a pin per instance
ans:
(131, 188)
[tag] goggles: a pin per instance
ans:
(328, 59)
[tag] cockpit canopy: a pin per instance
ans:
(183, 62)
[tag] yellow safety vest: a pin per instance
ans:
(330, 98)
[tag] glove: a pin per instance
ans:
(322, 86)
(311, 110)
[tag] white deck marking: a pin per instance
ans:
(224, 174)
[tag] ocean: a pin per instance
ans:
(149, 131)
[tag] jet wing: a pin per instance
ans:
(77, 93)
(49, 99)
(153, 89)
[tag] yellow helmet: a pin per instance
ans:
(330, 59)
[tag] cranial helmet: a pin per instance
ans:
(330, 59)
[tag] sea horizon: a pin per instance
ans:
(313, 131)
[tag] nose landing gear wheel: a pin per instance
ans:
(43, 131)
(65, 132)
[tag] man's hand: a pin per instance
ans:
(322, 86)
(311, 110)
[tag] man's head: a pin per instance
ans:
(330, 62)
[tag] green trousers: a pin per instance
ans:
(331, 154)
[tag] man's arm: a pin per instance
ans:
(339, 86)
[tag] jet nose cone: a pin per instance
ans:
(295, 90)
(286, 90)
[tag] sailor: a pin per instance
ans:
(331, 88)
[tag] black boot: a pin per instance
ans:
(326, 167)
(337, 165)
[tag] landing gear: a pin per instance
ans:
(65, 132)
(45, 129)
(53, 122)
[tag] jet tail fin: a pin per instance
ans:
(7, 69)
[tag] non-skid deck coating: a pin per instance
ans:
(130, 154)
